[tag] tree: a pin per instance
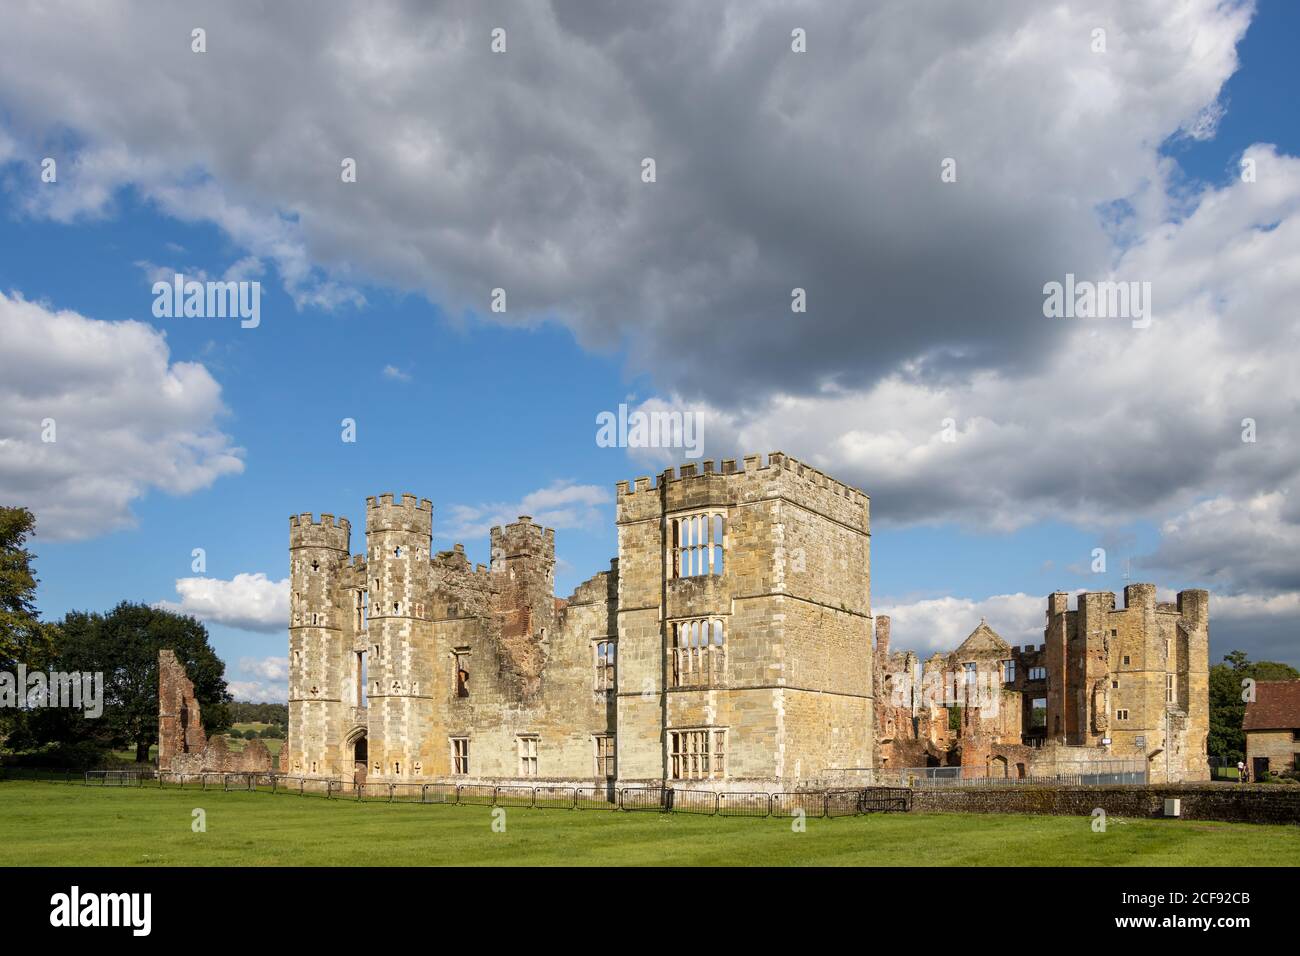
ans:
(1227, 709)
(24, 639)
(124, 645)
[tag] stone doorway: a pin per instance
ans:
(359, 759)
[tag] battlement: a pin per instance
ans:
(777, 462)
(329, 532)
(701, 485)
(522, 537)
(1192, 603)
(409, 514)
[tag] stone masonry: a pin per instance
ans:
(730, 641)
(1107, 684)
(182, 745)
(728, 646)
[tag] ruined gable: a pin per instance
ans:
(182, 745)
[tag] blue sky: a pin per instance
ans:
(479, 414)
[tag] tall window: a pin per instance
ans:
(699, 653)
(1038, 713)
(698, 754)
(698, 545)
(527, 755)
(1008, 671)
(361, 678)
(604, 744)
(604, 667)
(460, 755)
(970, 670)
(1169, 688)
(460, 674)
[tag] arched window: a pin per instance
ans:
(699, 653)
(697, 545)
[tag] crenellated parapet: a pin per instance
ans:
(408, 513)
(330, 533)
(702, 485)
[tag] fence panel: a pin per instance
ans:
(744, 804)
(693, 801)
(476, 795)
(513, 797)
(812, 803)
(117, 778)
(437, 793)
(554, 798)
(596, 798)
(885, 800)
(236, 781)
(407, 793)
(843, 803)
(644, 798)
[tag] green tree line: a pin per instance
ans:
(121, 644)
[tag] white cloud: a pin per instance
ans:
(775, 169)
(940, 624)
(1118, 423)
(267, 668)
(126, 419)
(396, 374)
(1262, 625)
(1250, 544)
(561, 504)
(251, 602)
(258, 692)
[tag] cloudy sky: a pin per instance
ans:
(1122, 141)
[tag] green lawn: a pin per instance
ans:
(53, 824)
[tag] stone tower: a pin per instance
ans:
(523, 566)
(318, 649)
(744, 624)
(1134, 680)
(401, 668)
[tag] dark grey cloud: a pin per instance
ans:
(776, 169)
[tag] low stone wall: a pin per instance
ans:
(1234, 803)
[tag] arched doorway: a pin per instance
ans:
(359, 758)
(998, 767)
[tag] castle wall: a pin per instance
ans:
(1126, 683)
(489, 655)
(397, 653)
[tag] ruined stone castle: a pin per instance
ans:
(729, 640)
(729, 645)
(1109, 689)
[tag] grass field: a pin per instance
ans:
(54, 824)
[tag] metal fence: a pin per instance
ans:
(813, 803)
(1093, 773)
